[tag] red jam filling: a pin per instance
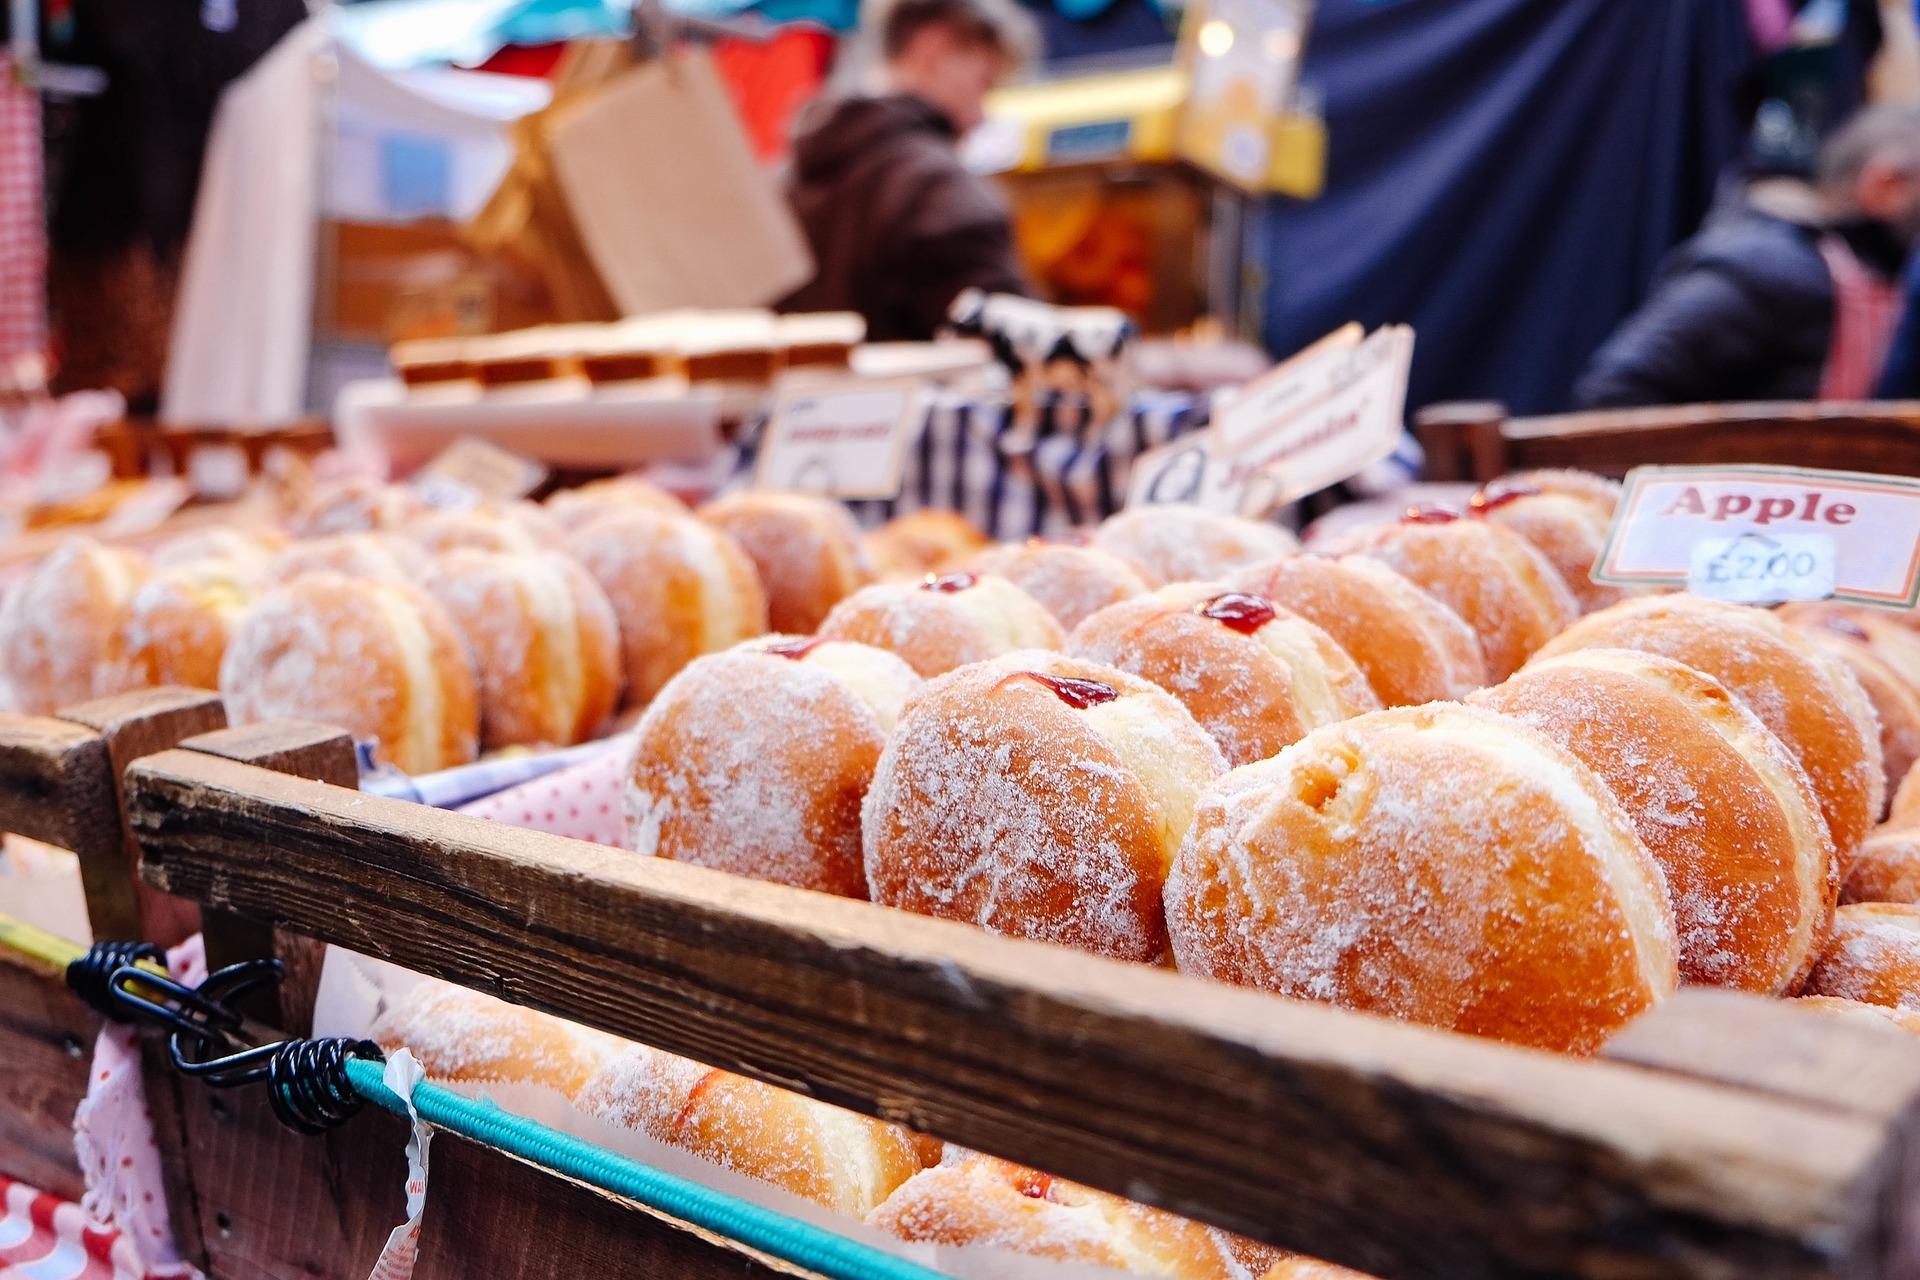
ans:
(949, 582)
(796, 648)
(1846, 627)
(1499, 494)
(1433, 513)
(1238, 611)
(1076, 693)
(1034, 1185)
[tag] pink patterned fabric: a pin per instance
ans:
(23, 226)
(582, 801)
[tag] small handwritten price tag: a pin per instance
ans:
(217, 471)
(1757, 568)
(1865, 532)
(1300, 380)
(846, 437)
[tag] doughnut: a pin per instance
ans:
(1182, 544)
(61, 626)
(1904, 812)
(641, 1089)
(544, 642)
(253, 549)
(755, 761)
(517, 526)
(358, 555)
(466, 1037)
(1717, 799)
(355, 506)
(1879, 1015)
(178, 624)
(575, 509)
(1038, 796)
(1412, 648)
(1566, 522)
(1440, 864)
(1885, 868)
(1811, 701)
(1255, 676)
(1895, 702)
(980, 1200)
(679, 589)
(1509, 593)
(944, 622)
(922, 542)
(1299, 1268)
(1873, 956)
(1069, 581)
(806, 548)
(380, 659)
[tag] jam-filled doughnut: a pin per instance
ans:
(179, 622)
(1441, 864)
(755, 761)
(1070, 581)
(466, 1037)
(1811, 701)
(575, 509)
(1255, 676)
(1185, 544)
(1718, 800)
(680, 588)
(1039, 796)
(380, 659)
(1510, 594)
(1873, 956)
(806, 548)
(921, 542)
(544, 641)
(1412, 648)
(944, 622)
(380, 556)
(61, 626)
(1565, 515)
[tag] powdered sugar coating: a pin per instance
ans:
(1070, 582)
(355, 506)
(642, 1089)
(1439, 864)
(511, 527)
(462, 1035)
(179, 622)
(574, 509)
(1876, 1015)
(1896, 704)
(1185, 544)
(1813, 703)
(806, 548)
(1886, 868)
(938, 630)
(1570, 532)
(1873, 956)
(251, 548)
(926, 541)
(60, 626)
(358, 555)
(998, 804)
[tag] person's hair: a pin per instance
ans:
(1891, 131)
(1001, 24)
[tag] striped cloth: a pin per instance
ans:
(23, 223)
(43, 1237)
(1866, 306)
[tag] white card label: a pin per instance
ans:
(1285, 389)
(1759, 568)
(846, 438)
(1873, 523)
(217, 471)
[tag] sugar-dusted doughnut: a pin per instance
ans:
(807, 549)
(1441, 864)
(1039, 796)
(1873, 956)
(1718, 800)
(642, 1089)
(980, 1200)
(355, 506)
(1565, 515)
(513, 526)
(1904, 811)
(1070, 581)
(381, 556)
(1255, 676)
(1878, 1015)
(944, 622)
(1896, 704)
(1810, 700)
(921, 542)
(1885, 868)
(1185, 544)
(1412, 648)
(61, 626)
(466, 1037)
(680, 588)
(575, 509)
(755, 761)
(250, 548)
(544, 641)
(1510, 594)
(178, 623)
(380, 659)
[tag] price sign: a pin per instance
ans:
(1300, 380)
(217, 472)
(470, 471)
(846, 437)
(1762, 534)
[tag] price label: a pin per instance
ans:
(1873, 522)
(471, 470)
(1758, 568)
(217, 471)
(846, 437)
(1300, 380)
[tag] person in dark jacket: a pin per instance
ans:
(1746, 309)
(897, 226)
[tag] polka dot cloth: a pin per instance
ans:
(582, 801)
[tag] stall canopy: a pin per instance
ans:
(1504, 175)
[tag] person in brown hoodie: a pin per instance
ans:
(897, 226)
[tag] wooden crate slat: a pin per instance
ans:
(46, 1037)
(56, 785)
(1400, 1150)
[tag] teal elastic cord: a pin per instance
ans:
(788, 1239)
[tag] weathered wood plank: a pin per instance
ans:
(1399, 1150)
(56, 785)
(46, 1039)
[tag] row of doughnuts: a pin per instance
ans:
(907, 1185)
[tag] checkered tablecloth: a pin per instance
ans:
(23, 226)
(43, 1237)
